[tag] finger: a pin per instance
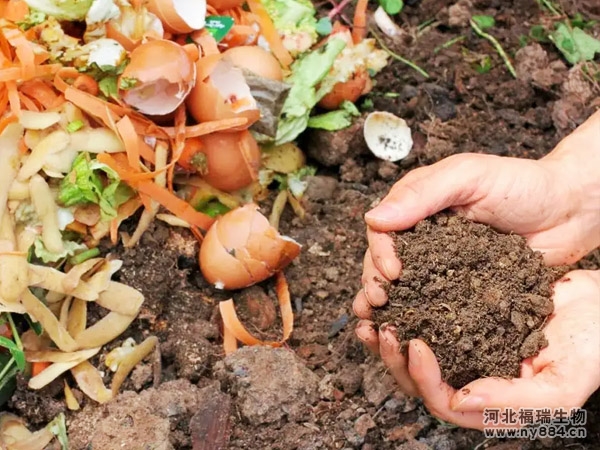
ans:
(430, 189)
(383, 254)
(372, 279)
(362, 308)
(545, 390)
(366, 333)
(395, 361)
(425, 372)
(527, 368)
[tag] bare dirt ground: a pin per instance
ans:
(323, 391)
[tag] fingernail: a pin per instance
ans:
(386, 270)
(383, 213)
(469, 403)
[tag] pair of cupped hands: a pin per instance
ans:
(554, 203)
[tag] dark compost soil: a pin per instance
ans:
(477, 297)
(324, 391)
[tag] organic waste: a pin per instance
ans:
(477, 297)
(186, 114)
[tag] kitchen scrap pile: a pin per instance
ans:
(186, 113)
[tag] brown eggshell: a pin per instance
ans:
(245, 235)
(172, 21)
(161, 66)
(256, 60)
(205, 103)
(350, 90)
(218, 265)
(232, 159)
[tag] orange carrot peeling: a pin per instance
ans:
(359, 23)
(270, 33)
(131, 141)
(38, 367)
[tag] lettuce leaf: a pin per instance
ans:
(62, 9)
(306, 74)
(69, 249)
(85, 184)
(335, 120)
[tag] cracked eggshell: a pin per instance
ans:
(165, 75)
(132, 27)
(221, 92)
(241, 248)
(387, 136)
(179, 16)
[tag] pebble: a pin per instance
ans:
(377, 388)
(363, 424)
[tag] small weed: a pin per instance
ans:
(449, 43)
(477, 28)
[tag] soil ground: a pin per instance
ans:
(323, 391)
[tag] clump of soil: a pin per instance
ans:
(477, 297)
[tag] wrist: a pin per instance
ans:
(576, 164)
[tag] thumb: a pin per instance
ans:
(454, 181)
(545, 390)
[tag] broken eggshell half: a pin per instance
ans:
(221, 92)
(387, 136)
(132, 27)
(158, 78)
(241, 248)
(179, 16)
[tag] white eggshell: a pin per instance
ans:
(387, 136)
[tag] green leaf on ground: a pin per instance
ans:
(575, 44)
(484, 22)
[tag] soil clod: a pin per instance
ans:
(477, 297)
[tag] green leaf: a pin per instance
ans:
(392, 6)
(335, 120)
(127, 83)
(109, 87)
(307, 72)
(72, 127)
(484, 22)
(485, 65)
(69, 249)
(580, 22)
(8, 381)
(35, 326)
(575, 44)
(32, 19)
(16, 352)
(324, 26)
(538, 33)
(214, 208)
(84, 184)
(58, 428)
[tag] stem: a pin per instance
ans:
(84, 256)
(409, 63)
(5, 369)
(496, 46)
(449, 43)
(15, 333)
(277, 210)
(548, 4)
(337, 9)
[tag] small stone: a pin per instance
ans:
(320, 188)
(363, 424)
(413, 445)
(326, 388)
(346, 414)
(459, 14)
(276, 384)
(141, 375)
(403, 433)
(350, 379)
(377, 384)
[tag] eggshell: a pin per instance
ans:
(255, 59)
(223, 5)
(232, 159)
(165, 75)
(350, 90)
(219, 82)
(179, 16)
(241, 248)
(387, 136)
(128, 32)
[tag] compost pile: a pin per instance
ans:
(477, 297)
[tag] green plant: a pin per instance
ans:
(392, 6)
(574, 43)
(475, 24)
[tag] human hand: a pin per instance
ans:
(552, 202)
(563, 375)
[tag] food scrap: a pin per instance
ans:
(183, 113)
